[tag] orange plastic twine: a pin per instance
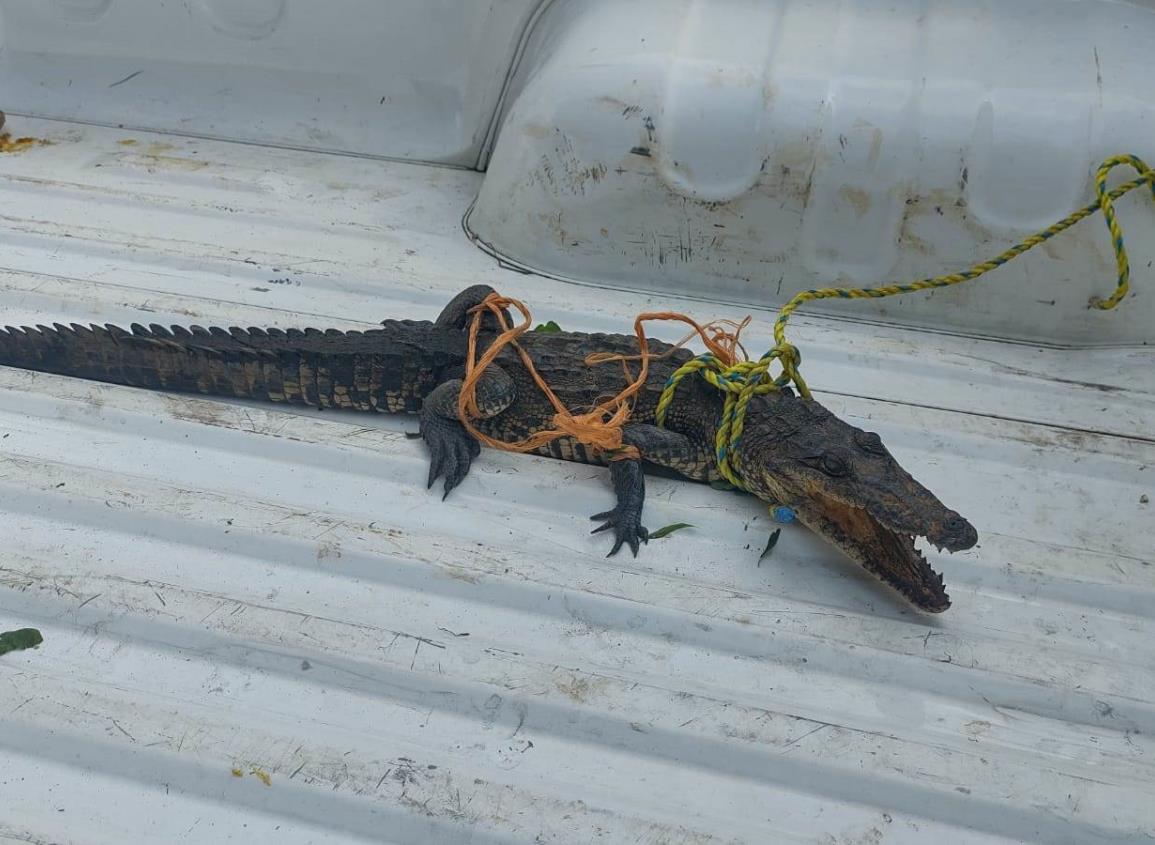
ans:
(721, 342)
(601, 427)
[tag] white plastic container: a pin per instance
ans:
(415, 79)
(780, 146)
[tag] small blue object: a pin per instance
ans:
(783, 514)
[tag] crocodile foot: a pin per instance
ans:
(628, 529)
(451, 449)
(626, 517)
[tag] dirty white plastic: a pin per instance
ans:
(745, 151)
(405, 78)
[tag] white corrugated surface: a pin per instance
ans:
(223, 585)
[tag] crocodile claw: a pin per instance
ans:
(628, 529)
(451, 450)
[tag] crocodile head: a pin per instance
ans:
(844, 485)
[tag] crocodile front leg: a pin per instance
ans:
(672, 450)
(656, 445)
(626, 517)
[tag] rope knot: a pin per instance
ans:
(788, 355)
(739, 378)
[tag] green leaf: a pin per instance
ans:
(20, 640)
(667, 530)
(770, 544)
(551, 326)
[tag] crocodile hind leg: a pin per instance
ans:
(452, 448)
(456, 315)
(656, 445)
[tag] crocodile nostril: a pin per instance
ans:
(957, 533)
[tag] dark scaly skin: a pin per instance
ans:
(841, 481)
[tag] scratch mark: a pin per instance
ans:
(122, 730)
(331, 528)
(211, 612)
(797, 740)
(131, 76)
(424, 640)
(648, 123)
(86, 601)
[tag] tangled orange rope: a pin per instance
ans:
(601, 427)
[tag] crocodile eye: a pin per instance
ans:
(870, 442)
(834, 464)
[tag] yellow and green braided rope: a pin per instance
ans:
(747, 379)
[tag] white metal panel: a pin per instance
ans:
(415, 79)
(779, 146)
(226, 585)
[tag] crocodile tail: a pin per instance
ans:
(156, 358)
(386, 369)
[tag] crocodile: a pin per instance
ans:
(840, 481)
